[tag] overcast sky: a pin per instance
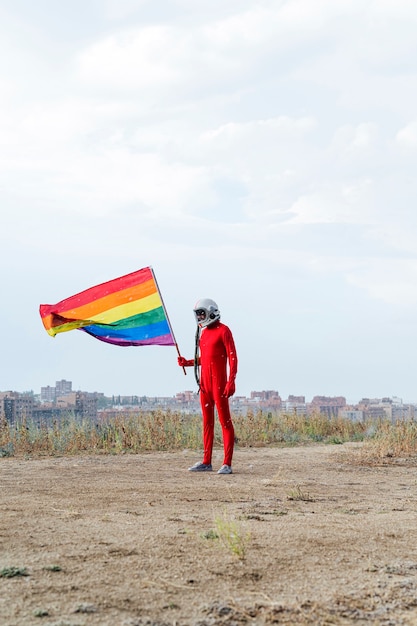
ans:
(262, 154)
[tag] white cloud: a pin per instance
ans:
(162, 55)
(389, 280)
(407, 136)
(355, 140)
(144, 58)
(121, 178)
(279, 127)
(397, 9)
(120, 9)
(97, 184)
(336, 204)
(258, 150)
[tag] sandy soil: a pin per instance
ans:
(136, 540)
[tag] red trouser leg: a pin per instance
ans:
(228, 431)
(207, 408)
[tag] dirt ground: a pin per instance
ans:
(137, 540)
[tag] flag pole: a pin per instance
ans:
(166, 315)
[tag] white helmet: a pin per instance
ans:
(206, 312)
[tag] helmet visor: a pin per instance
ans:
(200, 314)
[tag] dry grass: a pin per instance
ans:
(172, 430)
(389, 442)
(262, 428)
(150, 431)
(298, 494)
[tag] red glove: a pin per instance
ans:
(230, 389)
(185, 362)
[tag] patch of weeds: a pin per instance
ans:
(316, 437)
(138, 513)
(52, 568)
(210, 534)
(232, 536)
(223, 613)
(40, 613)
(372, 568)
(7, 450)
(291, 437)
(349, 511)
(334, 440)
(298, 494)
(86, 608)
(401, 569)
(260, 514)
(11, 572)
(147, 621)
(170, 606)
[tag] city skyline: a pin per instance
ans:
(61, 401)
(64, 387)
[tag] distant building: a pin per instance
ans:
(264, 396)
(352, 414)
(329, 406)
(295, 404)
(296, 399)
(63, 387)
(269, 399)
(403, 412)
(379, 408)
(86, 404)
(48, 394)
(16, 406)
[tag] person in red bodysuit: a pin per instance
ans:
(216, 357)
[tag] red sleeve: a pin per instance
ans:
(231, 352)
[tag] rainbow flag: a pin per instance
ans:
(126, 311)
